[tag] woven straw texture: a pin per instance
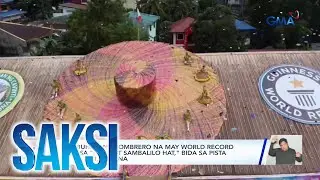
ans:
(138, 67)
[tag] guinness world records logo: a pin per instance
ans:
(292, 91)
(11, 91)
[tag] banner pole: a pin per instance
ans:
(139, 32)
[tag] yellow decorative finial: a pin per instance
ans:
(56, 89)
(202, 75)
(80, 68)
(62, 108)
(205, 99)
(187, 59)
(77, 118)
(125, 173)
(163, 137)
(187, 118)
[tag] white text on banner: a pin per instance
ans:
(178, 152)
(190, 152)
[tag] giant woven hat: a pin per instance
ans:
(153, 90)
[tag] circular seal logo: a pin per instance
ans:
(11, 91)
(292, 91)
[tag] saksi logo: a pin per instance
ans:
(60, 152)
(283, 21)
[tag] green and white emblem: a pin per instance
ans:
(11, 91)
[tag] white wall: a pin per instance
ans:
(233, 2)
(174, 38)
(65, 11)
(152, 32)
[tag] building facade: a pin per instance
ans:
(149, 23)
(69, 6)
(17, 39)
(7, 13)
(182, 31)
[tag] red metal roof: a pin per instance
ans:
(75, 6)
(181, 25)
(24, 32)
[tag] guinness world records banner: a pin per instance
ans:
(292, 91)
(11, 91)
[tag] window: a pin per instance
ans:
(180, 36)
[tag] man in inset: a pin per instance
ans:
(284, 154)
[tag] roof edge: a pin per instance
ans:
(39, 57)
(79, 6)
(16, 10)
(13, 35)
(193, 177)
(199, 54)
(56, 178)
(250, 176)
(261, 52)
(177, 23)
(145, 14)
(5, 22)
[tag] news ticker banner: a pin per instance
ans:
(175, 152)
(191, 152)
(100, 148)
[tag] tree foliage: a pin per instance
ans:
(283, 36)
(36, 9)
(214, 31)
(204, 4)
(164, 34)
(56, 3)
(155, 7)
(168, 10)
(46, 47)
(178, 9)
(104, 23)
